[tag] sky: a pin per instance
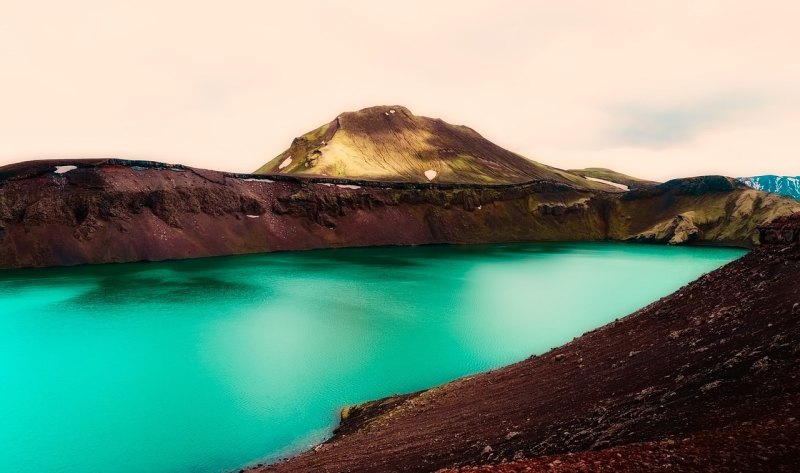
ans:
(656, 89)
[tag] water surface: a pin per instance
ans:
(208, 365)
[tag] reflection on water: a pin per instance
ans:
(206, 365)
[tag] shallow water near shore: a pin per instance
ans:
(209, 365)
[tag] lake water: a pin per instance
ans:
(208, 365)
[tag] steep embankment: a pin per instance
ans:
(706, 379)
(114, 211)
(390, 143)
(710, 209)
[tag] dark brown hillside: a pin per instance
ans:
(66, 212)
(706, 379)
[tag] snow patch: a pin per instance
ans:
(348, 186)
(252, 179)
(285, 162)
(430, 174)
(784, 185)
(64, 169)
(603, 181)
(253, 216)
(391, 111)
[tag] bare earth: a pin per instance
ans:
(706, 379)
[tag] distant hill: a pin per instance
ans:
(783, 185)
(390, 143)
(616, 178)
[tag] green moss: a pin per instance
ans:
(613, 176)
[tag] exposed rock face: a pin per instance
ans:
(782, 230)
(702, 209)
(391, 143)
(706, 379)
(116, 211)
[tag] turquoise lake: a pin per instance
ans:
(209, 365)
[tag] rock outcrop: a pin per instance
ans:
(782, 230)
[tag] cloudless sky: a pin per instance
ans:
(657, 89)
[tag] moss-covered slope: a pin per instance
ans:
(614, 176)
(390, 143)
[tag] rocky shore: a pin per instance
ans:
(706, 379)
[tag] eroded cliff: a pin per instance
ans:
(99, 211)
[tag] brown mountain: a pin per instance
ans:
(391, 143)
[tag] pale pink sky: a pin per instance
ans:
(657, 89)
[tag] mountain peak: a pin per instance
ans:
(389, 142)
(377, 110)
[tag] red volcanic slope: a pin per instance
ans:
(706, 379)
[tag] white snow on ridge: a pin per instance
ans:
(251, 179)
(64, 169)
(430, 174)
(783, 185)
(285, 162)
(603, 181)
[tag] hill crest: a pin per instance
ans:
(391, 143)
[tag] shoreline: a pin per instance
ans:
(660, 383)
